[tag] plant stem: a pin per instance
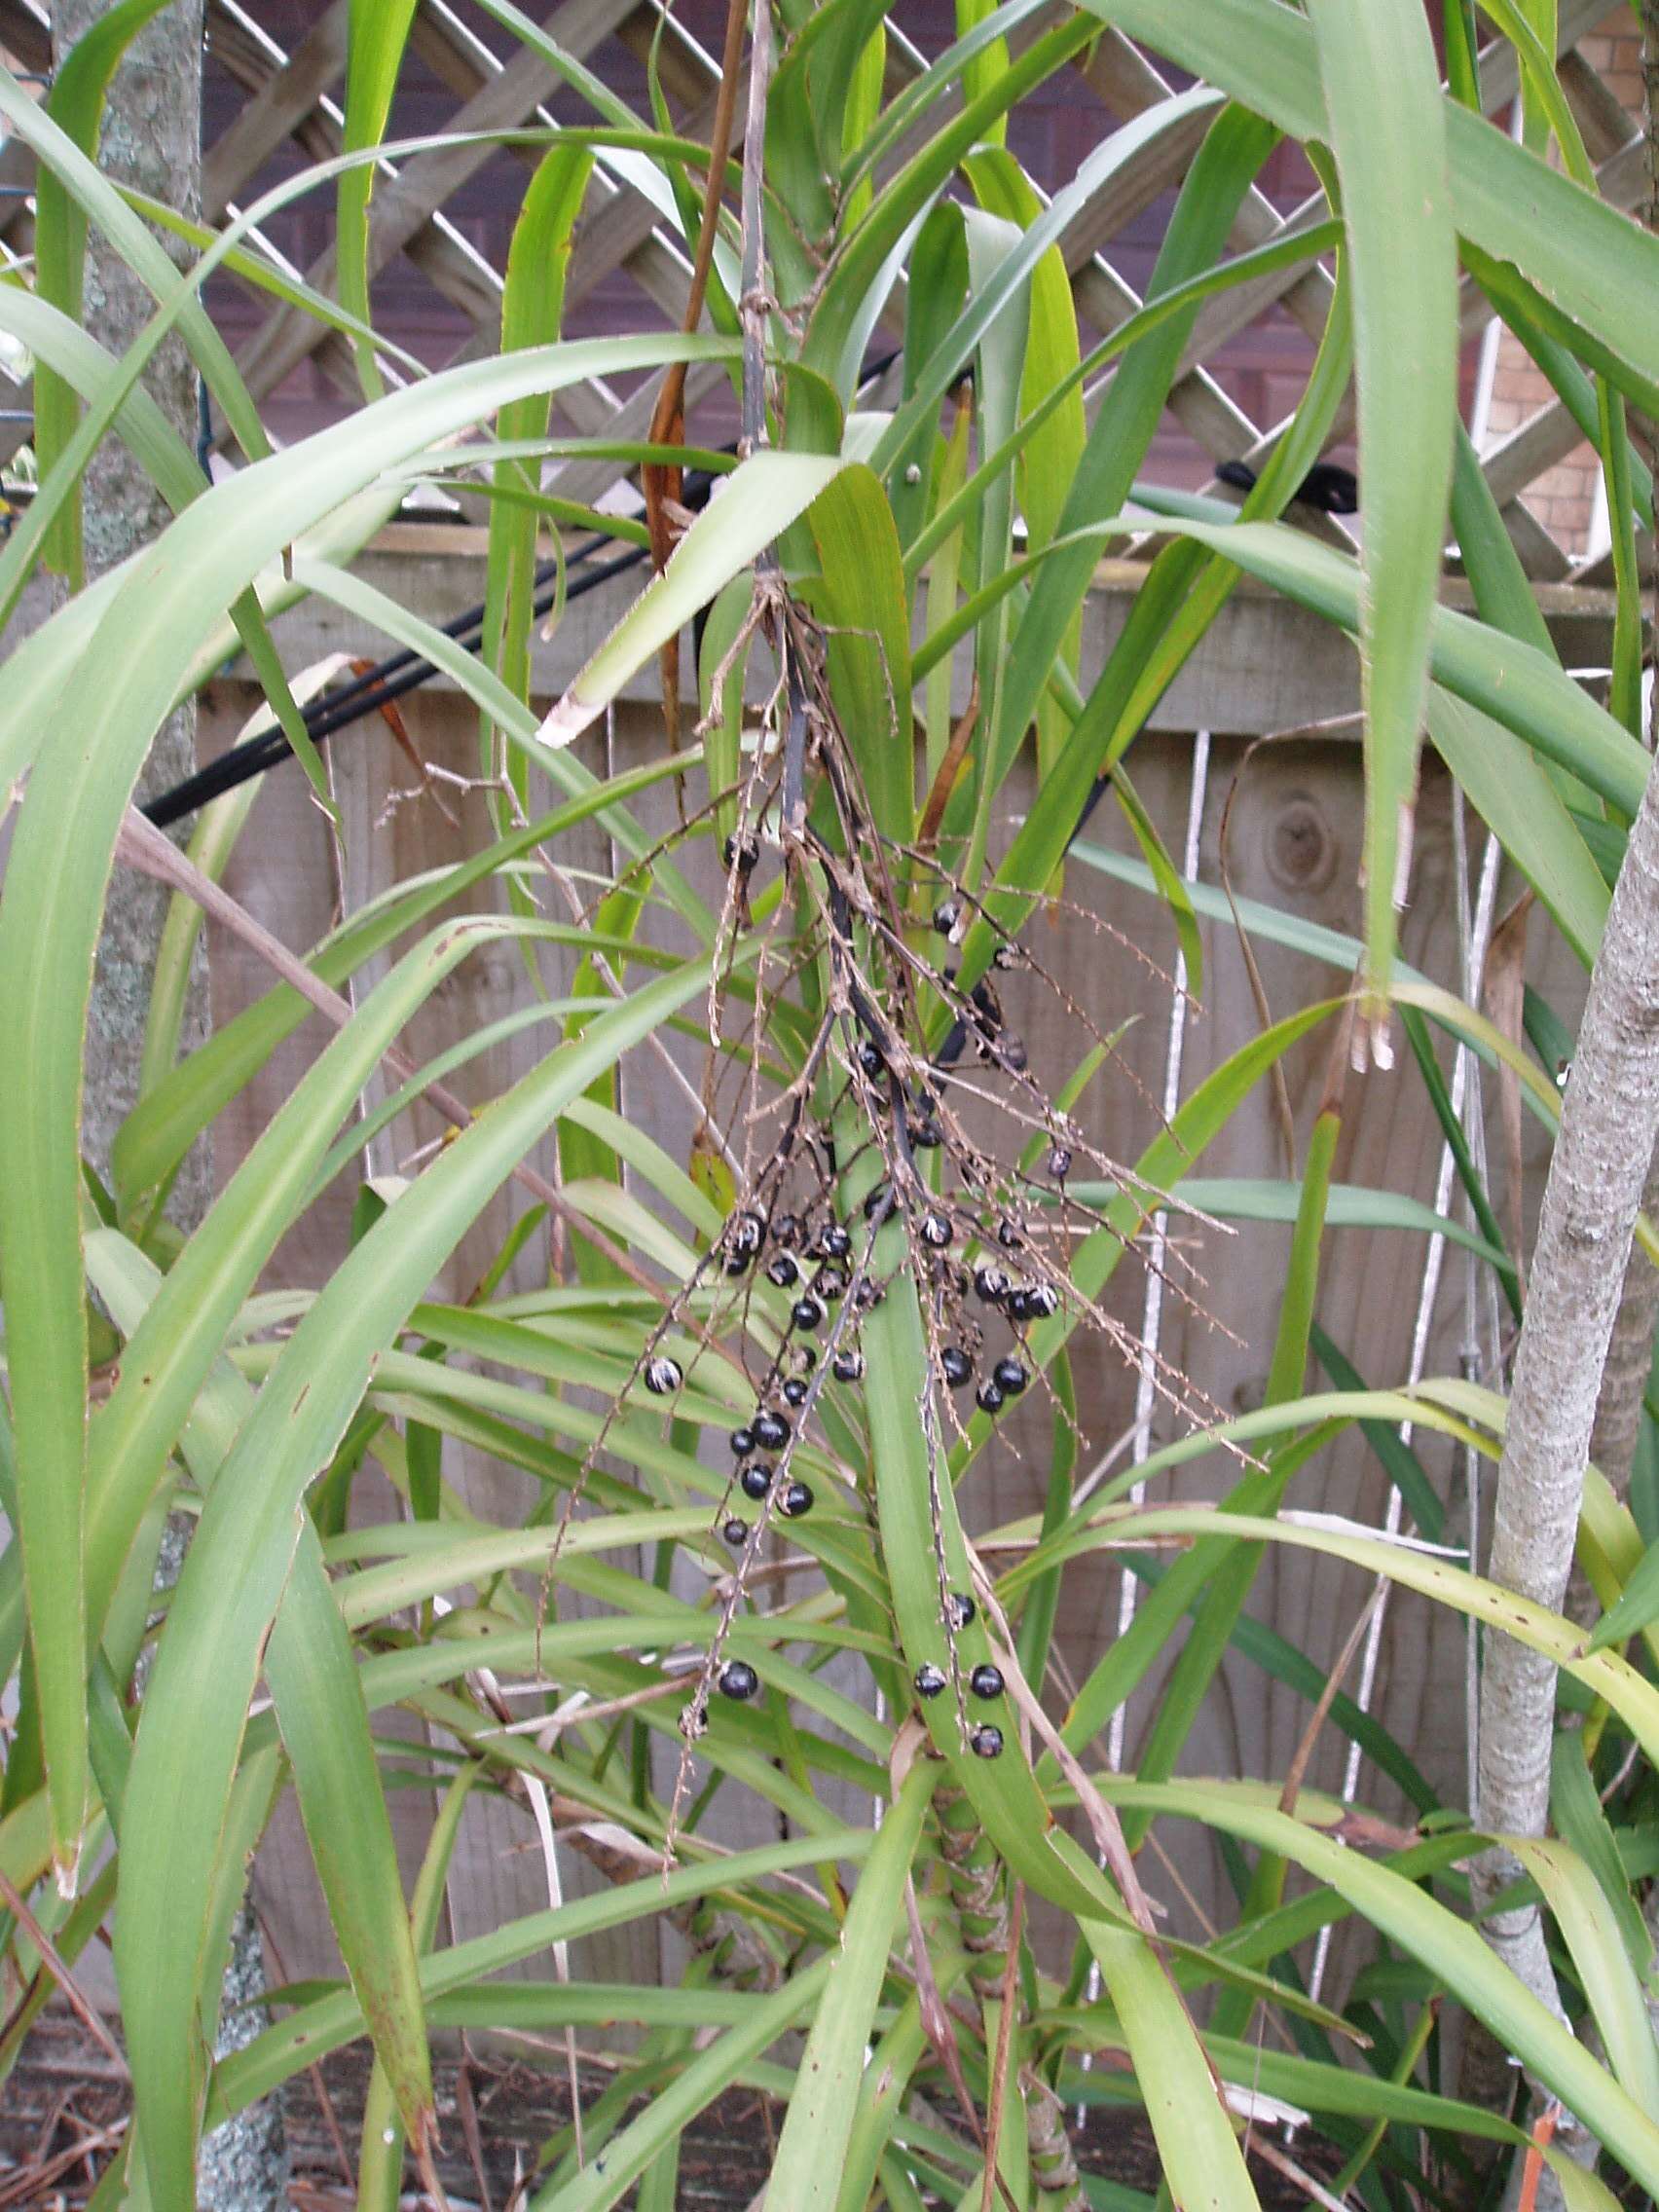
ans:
(1609, 1118)
(752, 307)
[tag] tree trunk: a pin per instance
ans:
(1609, 1118)
(152, 141)
(1630, 1355)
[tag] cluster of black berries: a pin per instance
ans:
(807, 1253)
(810, 1259)
(765, 1430)
(995, 1043)
(985, 1681)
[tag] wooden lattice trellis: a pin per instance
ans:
(294, 95)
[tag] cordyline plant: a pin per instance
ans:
(891, 1225)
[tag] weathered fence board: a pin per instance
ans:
(1291, 838)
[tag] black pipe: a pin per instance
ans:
(389, 680)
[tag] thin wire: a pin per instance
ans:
(1475, 1277)
(1474, 939)
(1152, 1311)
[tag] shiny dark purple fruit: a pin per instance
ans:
(986, 1742)
(987, 1681)
(959, 1608)
(756, 1480)
(795, 1500)
(930, 1680)
(738, 1679)
(770, 1429)
(955, 1366)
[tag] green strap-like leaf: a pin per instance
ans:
(807, 2169)
(196, 1707)
(376, 34)
(761, 498)
(1197, 2147)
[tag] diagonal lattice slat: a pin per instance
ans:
(293, 97)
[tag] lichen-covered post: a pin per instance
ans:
(1610, 1117)
(152, 142)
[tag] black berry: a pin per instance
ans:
(991, 1283)
(955, 1366)
(1010, 1377)
(786, 1231)
(782, 1269)
(735, 1532)
(742, 853)
(834, 1241)
(847, 1366)
(946, 915)
(742, 1442)
(930, 1680)
(987, 1742)
(959, 1608)
(663, 1375)
(936, 1230)
(795, 1390)
(795, 1500)
(807, 1314)
(756, 1479)
(1060, 1162)
(987, 1681)
(988, 1398)
(770, 1429)
(738, 1679)
(871, 1058)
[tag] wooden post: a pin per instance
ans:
(151, 140)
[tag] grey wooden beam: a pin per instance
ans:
(1264, 665)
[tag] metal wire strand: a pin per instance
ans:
(1474, 936)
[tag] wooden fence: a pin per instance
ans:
(1264, 670)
